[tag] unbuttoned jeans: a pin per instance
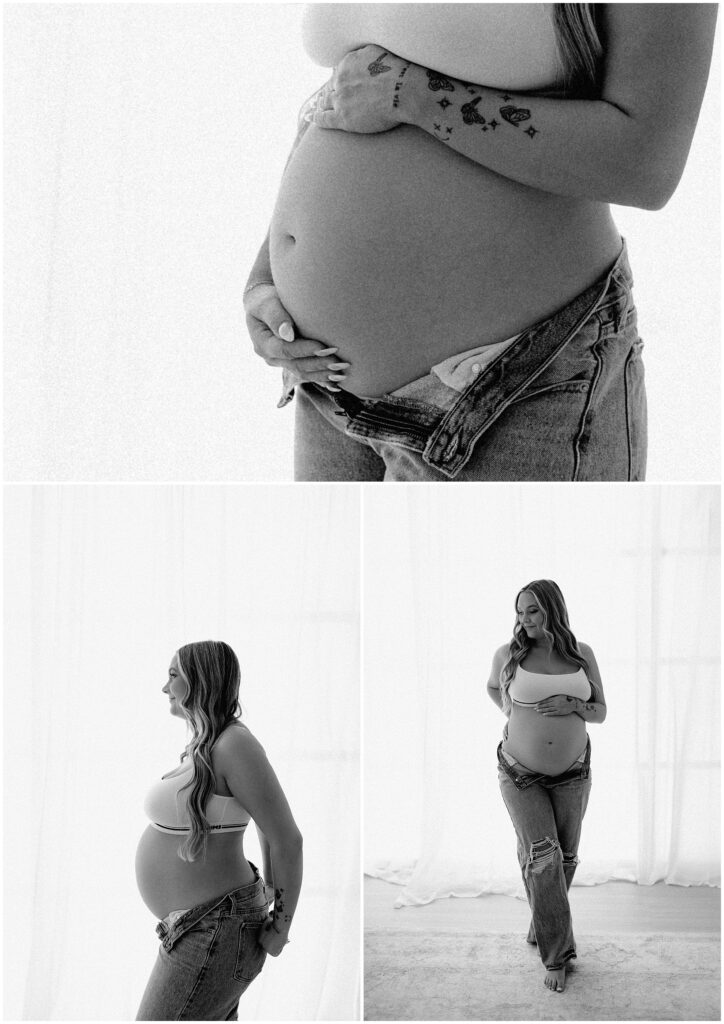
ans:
(209, 955)
(565, 401)
(547, 812)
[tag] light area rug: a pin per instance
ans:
(454, 976)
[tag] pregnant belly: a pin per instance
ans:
(167, 883)
(548, 745)
(402, 252)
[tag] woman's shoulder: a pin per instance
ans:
(237, 740)
(501, 654)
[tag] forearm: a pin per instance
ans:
(261, 270)
(496, 696)
(266, 861)
(589, 711)
(286, 868)
(588, 149)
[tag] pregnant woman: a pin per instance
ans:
(443, 281)
(549, 687)
(215, 928)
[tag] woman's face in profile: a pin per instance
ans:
(175, 687)
(530, 615)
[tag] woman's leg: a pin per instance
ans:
(541, 863)
(570, 801)
(322, 451)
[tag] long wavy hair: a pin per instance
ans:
(212, 675)
(556, 630)
(579, 46)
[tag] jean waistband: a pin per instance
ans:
(246, 898)
(445, 437)
(580, 769)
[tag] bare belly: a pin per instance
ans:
(402, 252)
(548, 745)
(167, 883)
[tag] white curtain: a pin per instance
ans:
(639, 568)
(103, 584)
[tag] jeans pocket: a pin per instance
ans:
(193, 942)
(250, 956)
(570, 387)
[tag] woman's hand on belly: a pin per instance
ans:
(272, 335)
(557, 705)
(363, 92)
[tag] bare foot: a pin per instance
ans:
(555, 980)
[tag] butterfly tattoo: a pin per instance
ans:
(514, 115)
(438, 82)
(377, 67)
(470, 114)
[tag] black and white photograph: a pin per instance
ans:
(542, 753)
(281, 744)
(181, 753)
(430, 233)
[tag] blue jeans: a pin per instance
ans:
(209, 955)
(565, 401)
(547, 812)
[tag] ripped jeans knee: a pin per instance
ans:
(543, 853)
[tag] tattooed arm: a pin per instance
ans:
(251, 779)
(629, 147)
(588, 710)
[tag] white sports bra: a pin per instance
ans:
(225, 813)
(530, 687)
(507, 46)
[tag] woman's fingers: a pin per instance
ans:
(274, 315)
(273, 337)
(319, 376)
(277, 352)
(315, 364)
(324, 118)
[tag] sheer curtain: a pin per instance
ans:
(639, 568)
(103, 583)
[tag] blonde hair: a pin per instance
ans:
(579, 46)
(556, 630)
(212, 675)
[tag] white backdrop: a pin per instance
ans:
(639, 568)
(103, 584)
(144, 148)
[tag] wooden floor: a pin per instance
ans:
(645, 953)
(614, 907)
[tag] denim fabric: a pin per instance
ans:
(565, 401)
(547, 812)
(209, 955)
